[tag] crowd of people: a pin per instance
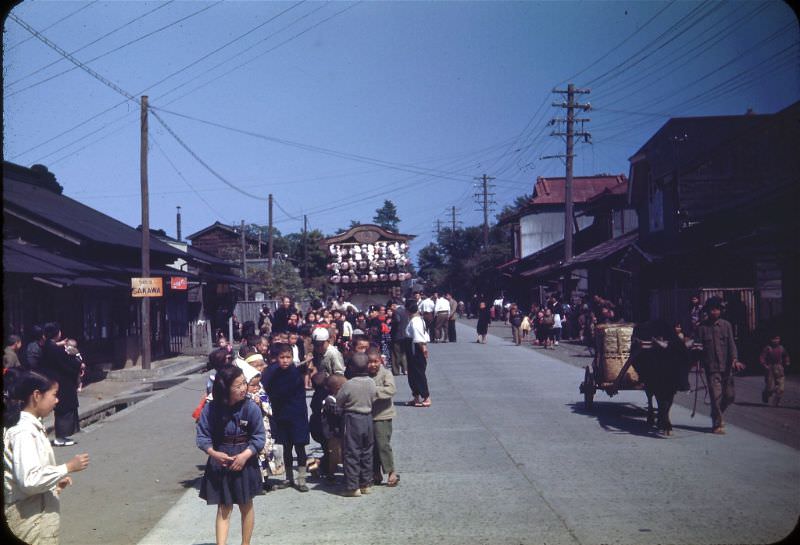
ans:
(254, 423)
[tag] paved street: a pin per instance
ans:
(505, 455)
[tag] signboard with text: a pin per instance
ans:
(147, 287)
(179, 283)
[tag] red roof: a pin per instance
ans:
(551, 190)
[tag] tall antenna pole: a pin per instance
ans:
(269, 237)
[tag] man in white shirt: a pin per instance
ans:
(426, 309)
(442, 310)
(417, 331)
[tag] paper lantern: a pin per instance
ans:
(336, 278)
(345, 279)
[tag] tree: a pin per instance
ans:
(386, 216)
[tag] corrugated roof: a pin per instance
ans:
(551, 190)
(605, 249)
(75, 218)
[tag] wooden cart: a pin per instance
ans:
(611, 369)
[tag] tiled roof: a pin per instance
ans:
(551, 190)
(52, 209)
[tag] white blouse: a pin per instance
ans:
(29, 463)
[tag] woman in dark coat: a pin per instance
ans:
(59, 366)
(483, 322)
(285, 385)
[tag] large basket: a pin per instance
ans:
(613, 350)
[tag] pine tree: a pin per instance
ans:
(386, 216)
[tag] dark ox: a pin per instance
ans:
(662, 361)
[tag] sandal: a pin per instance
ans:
(426, 403)
(393, 482)
(413, 403)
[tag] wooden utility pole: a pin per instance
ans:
(486, 202)
(244, 262)
(269, 236)
(305, 247)
(145, 321)
(570, 133)
(453, 217)
(569, 216)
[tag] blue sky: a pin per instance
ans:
(348, 104)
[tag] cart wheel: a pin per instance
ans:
(588, 390)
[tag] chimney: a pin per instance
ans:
(178, 221)
(749, 111)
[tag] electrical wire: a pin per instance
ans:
(106, 35)
(48, 27)
(140, 38)
(263, 53)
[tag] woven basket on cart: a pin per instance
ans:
(613, 350)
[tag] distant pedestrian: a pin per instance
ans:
(12, 347)
(451, 320)
(32, 354)
(32, 480)
(65, 369)
(400, 341)
(483, 321)
(355, 399)
(775, 359)
(231, 432)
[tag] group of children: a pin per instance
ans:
(254, 421)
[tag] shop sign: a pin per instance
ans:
(147, 287)
(179, 283)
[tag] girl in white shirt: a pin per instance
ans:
(32, 482)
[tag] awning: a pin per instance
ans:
(541, 271)
(603, 250)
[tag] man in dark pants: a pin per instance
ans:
(418, 361)
(451, 321)
(714, 337)
(401, 343)
(59, 366)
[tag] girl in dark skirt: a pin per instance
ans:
(231, 432)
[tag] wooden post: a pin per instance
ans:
(145, 320)
(244, 262)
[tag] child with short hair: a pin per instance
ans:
(332, 425)
(289, 424)
(774, 358)
(270, 458)
(355, 399)
(382, 414)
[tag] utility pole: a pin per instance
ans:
(570, 133)
(269, 236)
(145, 330)
(438, 226)
(178, 221)
(305, 247)
(244, 262)
(453, 217)
(486, 202)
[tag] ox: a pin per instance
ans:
(662, 361)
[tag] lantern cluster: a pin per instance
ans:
(378, 262)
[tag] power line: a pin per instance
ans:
(182, 177)
(173, 23)
(620, 44)
(72, 59)
(48, 27)
(236, 55)
(326, 151)
(106, 35)
(205, 165)
(265, 52)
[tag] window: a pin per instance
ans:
(655, 208)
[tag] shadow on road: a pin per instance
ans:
(763, 406)
(625, 418)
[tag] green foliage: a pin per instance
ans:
(386, 216)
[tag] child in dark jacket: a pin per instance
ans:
(355, 401)
(332, 425)
(284, 384)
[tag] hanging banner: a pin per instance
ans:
(178, 283)
(147, 287)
